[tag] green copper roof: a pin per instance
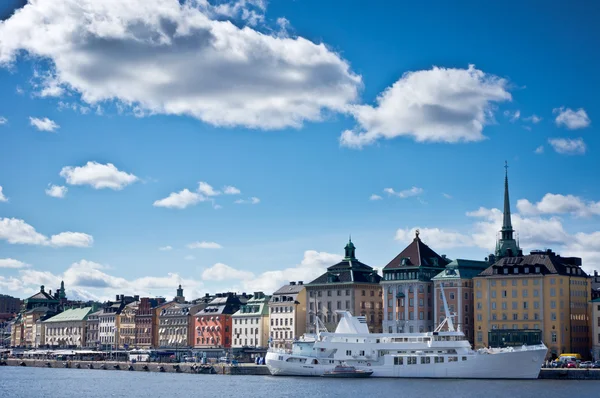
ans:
(462, 269)
(79, 314)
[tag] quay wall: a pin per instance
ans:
(243, 369)
(570, 374)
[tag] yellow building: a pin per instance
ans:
(126, 325)
(542, 291)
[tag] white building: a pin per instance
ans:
(287, 315)
(107, 327)
(67, 329)
(251, 323)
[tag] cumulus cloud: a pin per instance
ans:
(535, 119)
(571, 119)
(312, 265)
(56, 191)
(252, 200)
(180, 200)
(375, 197)
(539, 150)
(3, 120)
(204, 245)
(230, 190)
(179, 58)
(436, 105)
(223, 272)
(12, 263)
(207, 190)
(559, 204)
(16, 231)
(406, 193)
(2, 197)
(98, 176)
(513, 116)
(435, 237)
(568, 146)
(44, 124)
(447, 196)
(165, 248)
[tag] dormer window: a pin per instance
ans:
(568, 270)
(506, 270)
(537, 270)
(515, 270)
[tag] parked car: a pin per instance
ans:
(586, 364)
(571, 364)
(596, 365)
(224, 360)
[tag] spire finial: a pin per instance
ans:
(417, 232)
(506, 167)
(350, 238)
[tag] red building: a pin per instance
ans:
(213, 323)
(145, 321)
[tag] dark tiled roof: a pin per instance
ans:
(226, 305)
(42, 296)
(417, 254)
(348, 271)
(289, 289)
(549, 263)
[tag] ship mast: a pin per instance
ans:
(448, 319)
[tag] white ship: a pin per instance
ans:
(438, 354)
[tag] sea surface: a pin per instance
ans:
(21, 382)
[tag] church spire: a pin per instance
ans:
(506, 224)
(506, 245)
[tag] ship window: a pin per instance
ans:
(349, 352)
(425, 360)
(398, 360)
(464, 358)
(412, 360)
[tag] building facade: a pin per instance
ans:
(109, 321)
(145, 321)
(595, 329)
(213, 324)
(251, 323)
(408, 292)
(287, 315)
(349, 285)
(541, 291)
(457, 282)
(67, 329)
(175, 325)
(92, 339)
(126, 324)
(9, 304)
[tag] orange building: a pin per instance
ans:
(213, 323)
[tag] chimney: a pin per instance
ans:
(136, 298)
(122, 297)
(443, 256)
(117, 297)
(292, 283)
(207, 295)
(50, 292)
(300, 282)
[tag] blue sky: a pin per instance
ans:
(282, 104)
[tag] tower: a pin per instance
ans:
(506, 245)
(179, 298)
(350, 250)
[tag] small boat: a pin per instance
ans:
(344, 371)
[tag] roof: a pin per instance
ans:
(547, 261)
(41, 295)
(72, 315)
(348, 271)
(462, 269)
(255, 307)
(417, 254)
(290, 289)
(226, 304)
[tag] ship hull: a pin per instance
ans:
(517, 364)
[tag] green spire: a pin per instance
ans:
(507, 245)
(61, 292)
(350, 250)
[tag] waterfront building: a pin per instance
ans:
(9, 304)
(67, 329)
(108, 321)
(595, 285)
(408, 292)
(175, 325)
(595, 321)
(457, 281)
(92, 339)
(348, 285)
(145, 321)
(213, 324)
(251, 322)
(126, 324)
(541, 290)
(287, 315)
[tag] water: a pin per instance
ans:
(20, 382)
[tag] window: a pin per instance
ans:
(504, 305)
(479, 294)
(493, 294)
(349, 353)
(515, 317)
(504, 293)
(525, 294)
(525, 305)
(398, 360)
(479, 339)
(554, 337)
(479, 317)
(514, 305)
(411, 302)
(493, 305)
(329, 293)
(553, 316)
(451, 296)
(420, 302)
(364, 293)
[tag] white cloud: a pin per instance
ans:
(539, 150)
(16, 231)
(223, 272)
(12, 263)
(204, 245)
(571, 119)
(177, 59)
(435, 237)
(407, 193)
(375, 197)
(559, 204)
(230, 190)
(2, 197)
(436, 105)
(513, 116)
(44, 124)
(568, 146)
(98, 176)
(447, 196)
(72, 239)
(56, 191)
(206, 189)
(313, 265)
(252, 200)
(165, 248)
(535, 119)
(3, 120)
(189, 257)
(180, 200)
